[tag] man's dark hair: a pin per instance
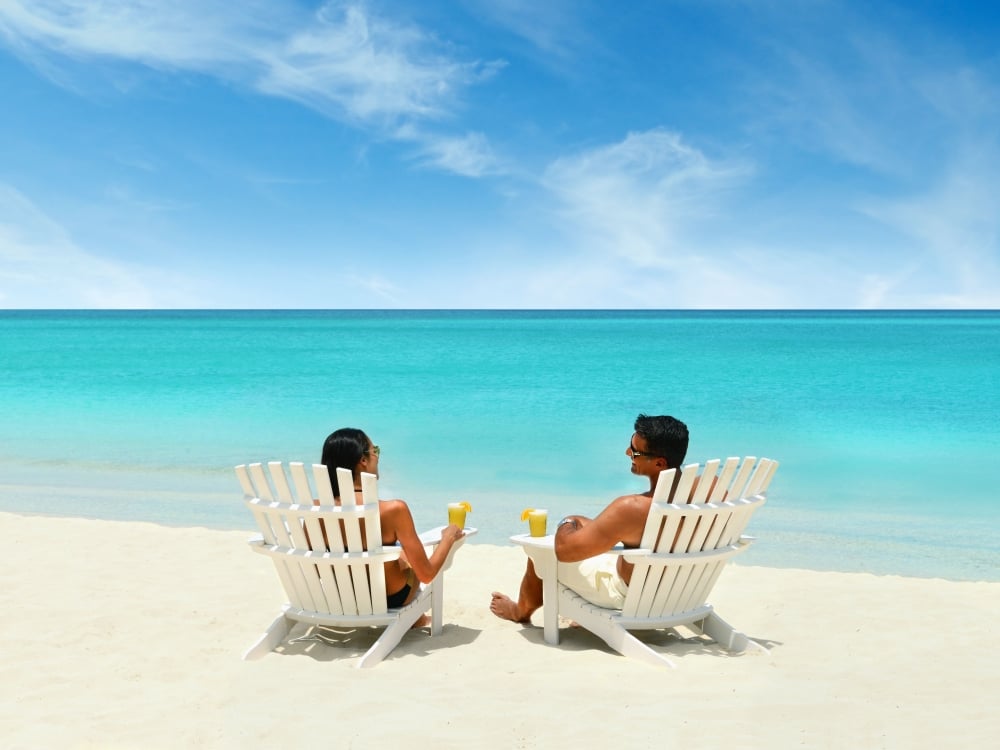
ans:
(664, 436)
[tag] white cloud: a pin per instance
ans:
(366, 67)
(636, 199)
(651, 221)
(42, 267)
(342, 61)
(199, 35)
(552, 27)
(470, 155)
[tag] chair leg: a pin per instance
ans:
(437, 605)
(726, 635)
(604, 627)
(386, 642)
(625, 643)
(394, 633)
(270, 639)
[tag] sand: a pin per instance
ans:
(129, 635)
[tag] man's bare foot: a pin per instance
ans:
(422, 622)
(506, 609)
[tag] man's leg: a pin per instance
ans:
(528, 599)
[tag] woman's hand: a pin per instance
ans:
(451, 533)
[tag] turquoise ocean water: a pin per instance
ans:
(885, 423)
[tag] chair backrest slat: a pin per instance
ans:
(725, 478)
(719, 525)
(321, 477)
(281, 488)
(305, 496)
(661, 496)
(373, 522)
(373, 541)
(739, 483)
(700, 496)
(762, 477)
(245, 483)
(324, 489)
(682, 496)
(689, 520)
(261, 485)
(352, 517)
(249, 493)
(300, 480)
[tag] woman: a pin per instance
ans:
(350, 448)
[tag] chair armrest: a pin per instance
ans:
(633, 555)
(535, 542)
(432, 537)
(541, 547)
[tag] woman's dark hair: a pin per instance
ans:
(343, 449)
(664, 436)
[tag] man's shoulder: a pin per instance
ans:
(637, 501)
(627, 510)
(627, 516)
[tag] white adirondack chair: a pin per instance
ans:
(330, 565)
(687, 541)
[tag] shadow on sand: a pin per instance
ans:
(334, 643)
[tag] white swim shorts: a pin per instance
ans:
(596, 579)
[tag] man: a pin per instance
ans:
(658, 443)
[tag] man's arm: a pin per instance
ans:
(579, 537)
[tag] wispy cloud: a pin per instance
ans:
(41, 266)
(470, 155)
(653, 221)
(886, 98)
(372, 290)
(552, 27)
(343, 61)
(633, 217)
(954, 231)
(637, 198)
(898, 124)
(202, 36)
(366, 68)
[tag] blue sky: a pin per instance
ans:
(499, 154)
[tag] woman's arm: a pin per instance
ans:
(397, 519)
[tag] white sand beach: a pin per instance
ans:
(129, 635)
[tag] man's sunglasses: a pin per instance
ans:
(639, 454)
